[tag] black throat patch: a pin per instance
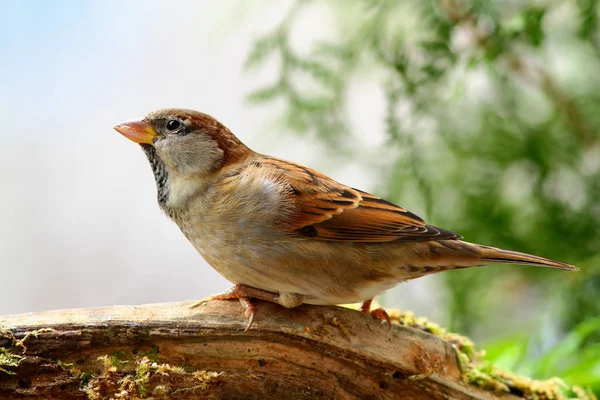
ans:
(160, 174)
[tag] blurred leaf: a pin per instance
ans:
(319, 71)
(576, 362)
(262, 49)
(588, 10)
(265, 94)
(533, 17)
(507, 352)
(568, 352)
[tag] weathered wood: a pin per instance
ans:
(305, 353)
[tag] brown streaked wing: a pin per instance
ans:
(328, 210)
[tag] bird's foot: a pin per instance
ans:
(243, 293)
(382, 315)
(378, 313)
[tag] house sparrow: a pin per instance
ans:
(286, 233)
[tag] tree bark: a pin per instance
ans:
(167, 351)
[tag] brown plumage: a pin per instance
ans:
(286, 233)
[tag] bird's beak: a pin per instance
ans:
(137, 131)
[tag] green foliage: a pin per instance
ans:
(492, 109)
(488, 374)
(320, 110)
(573, 358)
(8, 360)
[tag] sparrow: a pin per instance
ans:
(285, 233)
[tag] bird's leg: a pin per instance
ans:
(378, 313)
(243, 293)
(366, 306)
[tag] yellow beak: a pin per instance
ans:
(137, 131)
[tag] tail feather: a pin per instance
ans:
(436, 256)
(494, 255)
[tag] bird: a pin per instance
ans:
(288, 234)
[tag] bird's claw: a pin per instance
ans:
(243, 293)
(378, 313)
(382, 315)
(249, 311)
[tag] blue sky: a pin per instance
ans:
(48, 47)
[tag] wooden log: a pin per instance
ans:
(168, 351)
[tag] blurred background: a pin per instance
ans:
(482, 117)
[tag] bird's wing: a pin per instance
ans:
(324, 209)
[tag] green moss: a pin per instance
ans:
(140, 377)
(9, 360)
(65, 366)
(85, 379)
(475, 370)
(115, 360)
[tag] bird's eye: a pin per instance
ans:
(173, 125)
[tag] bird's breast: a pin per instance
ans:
(232, 230)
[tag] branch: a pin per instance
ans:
(169, 351)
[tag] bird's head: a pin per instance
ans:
(183, 143)
(186, 141)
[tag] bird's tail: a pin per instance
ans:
(489, 255)
(434, 256)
